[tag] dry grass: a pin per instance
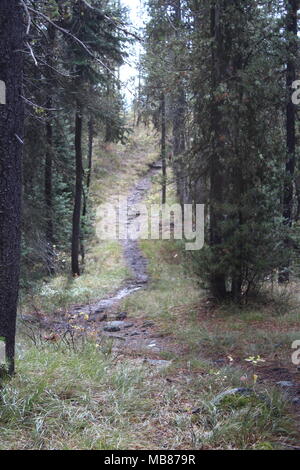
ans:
(89, 397)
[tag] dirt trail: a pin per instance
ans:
(134, 336)
(132, 253)
(137, 263)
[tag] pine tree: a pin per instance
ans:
(292, 7)
(75, 48)
(221, 95)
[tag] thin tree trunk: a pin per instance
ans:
(90, 152)
(11, 135)
(78, 194)
(48, 191)
(179, 104)
(163, 148)
(49, 160)
(48, 178)
(218, 281)
(288, 197)
(137, 112)
(108, 124)
(88, 184)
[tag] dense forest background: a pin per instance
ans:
(220, 92)
(221, 74)
(72, 94)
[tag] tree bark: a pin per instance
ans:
(11, 135)
(108, 125)
(49, 159)
(48, 178)
(179, 105)
(288, 196)
(88, 184)
(78, 194)
(218, 280)
(48, 192)
(90, 152)
(163, 148)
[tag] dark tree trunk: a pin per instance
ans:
(78, 194)
(297, 185)
(179, 105)
(163, 148)
(90, 153)
(48, 177)
(11, 135)
(88, 184)
(138, 107)
(292, 31)
(48, 191)
(49, 160)
(108, 124)
(288, 197)
(218, 280)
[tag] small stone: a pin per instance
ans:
(113, 326)
(155, 166)
(135, 333)
(103, 317)
(142, 280)
(111, 329)
(285, 384)
(99, 310)
(117, 326)
(121, 316)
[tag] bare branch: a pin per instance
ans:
(65, 75)
(119, 25)
(32, 53)
(28, 16)
(34, 105)
(68, 33)
(19, 139)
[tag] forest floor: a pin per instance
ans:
(134, 355)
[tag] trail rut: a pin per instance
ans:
(132, 335)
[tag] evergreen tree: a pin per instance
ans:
(73, 50)
(225, 60)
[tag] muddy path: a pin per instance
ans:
(103, 318)
(132, 253)
(135, 259)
